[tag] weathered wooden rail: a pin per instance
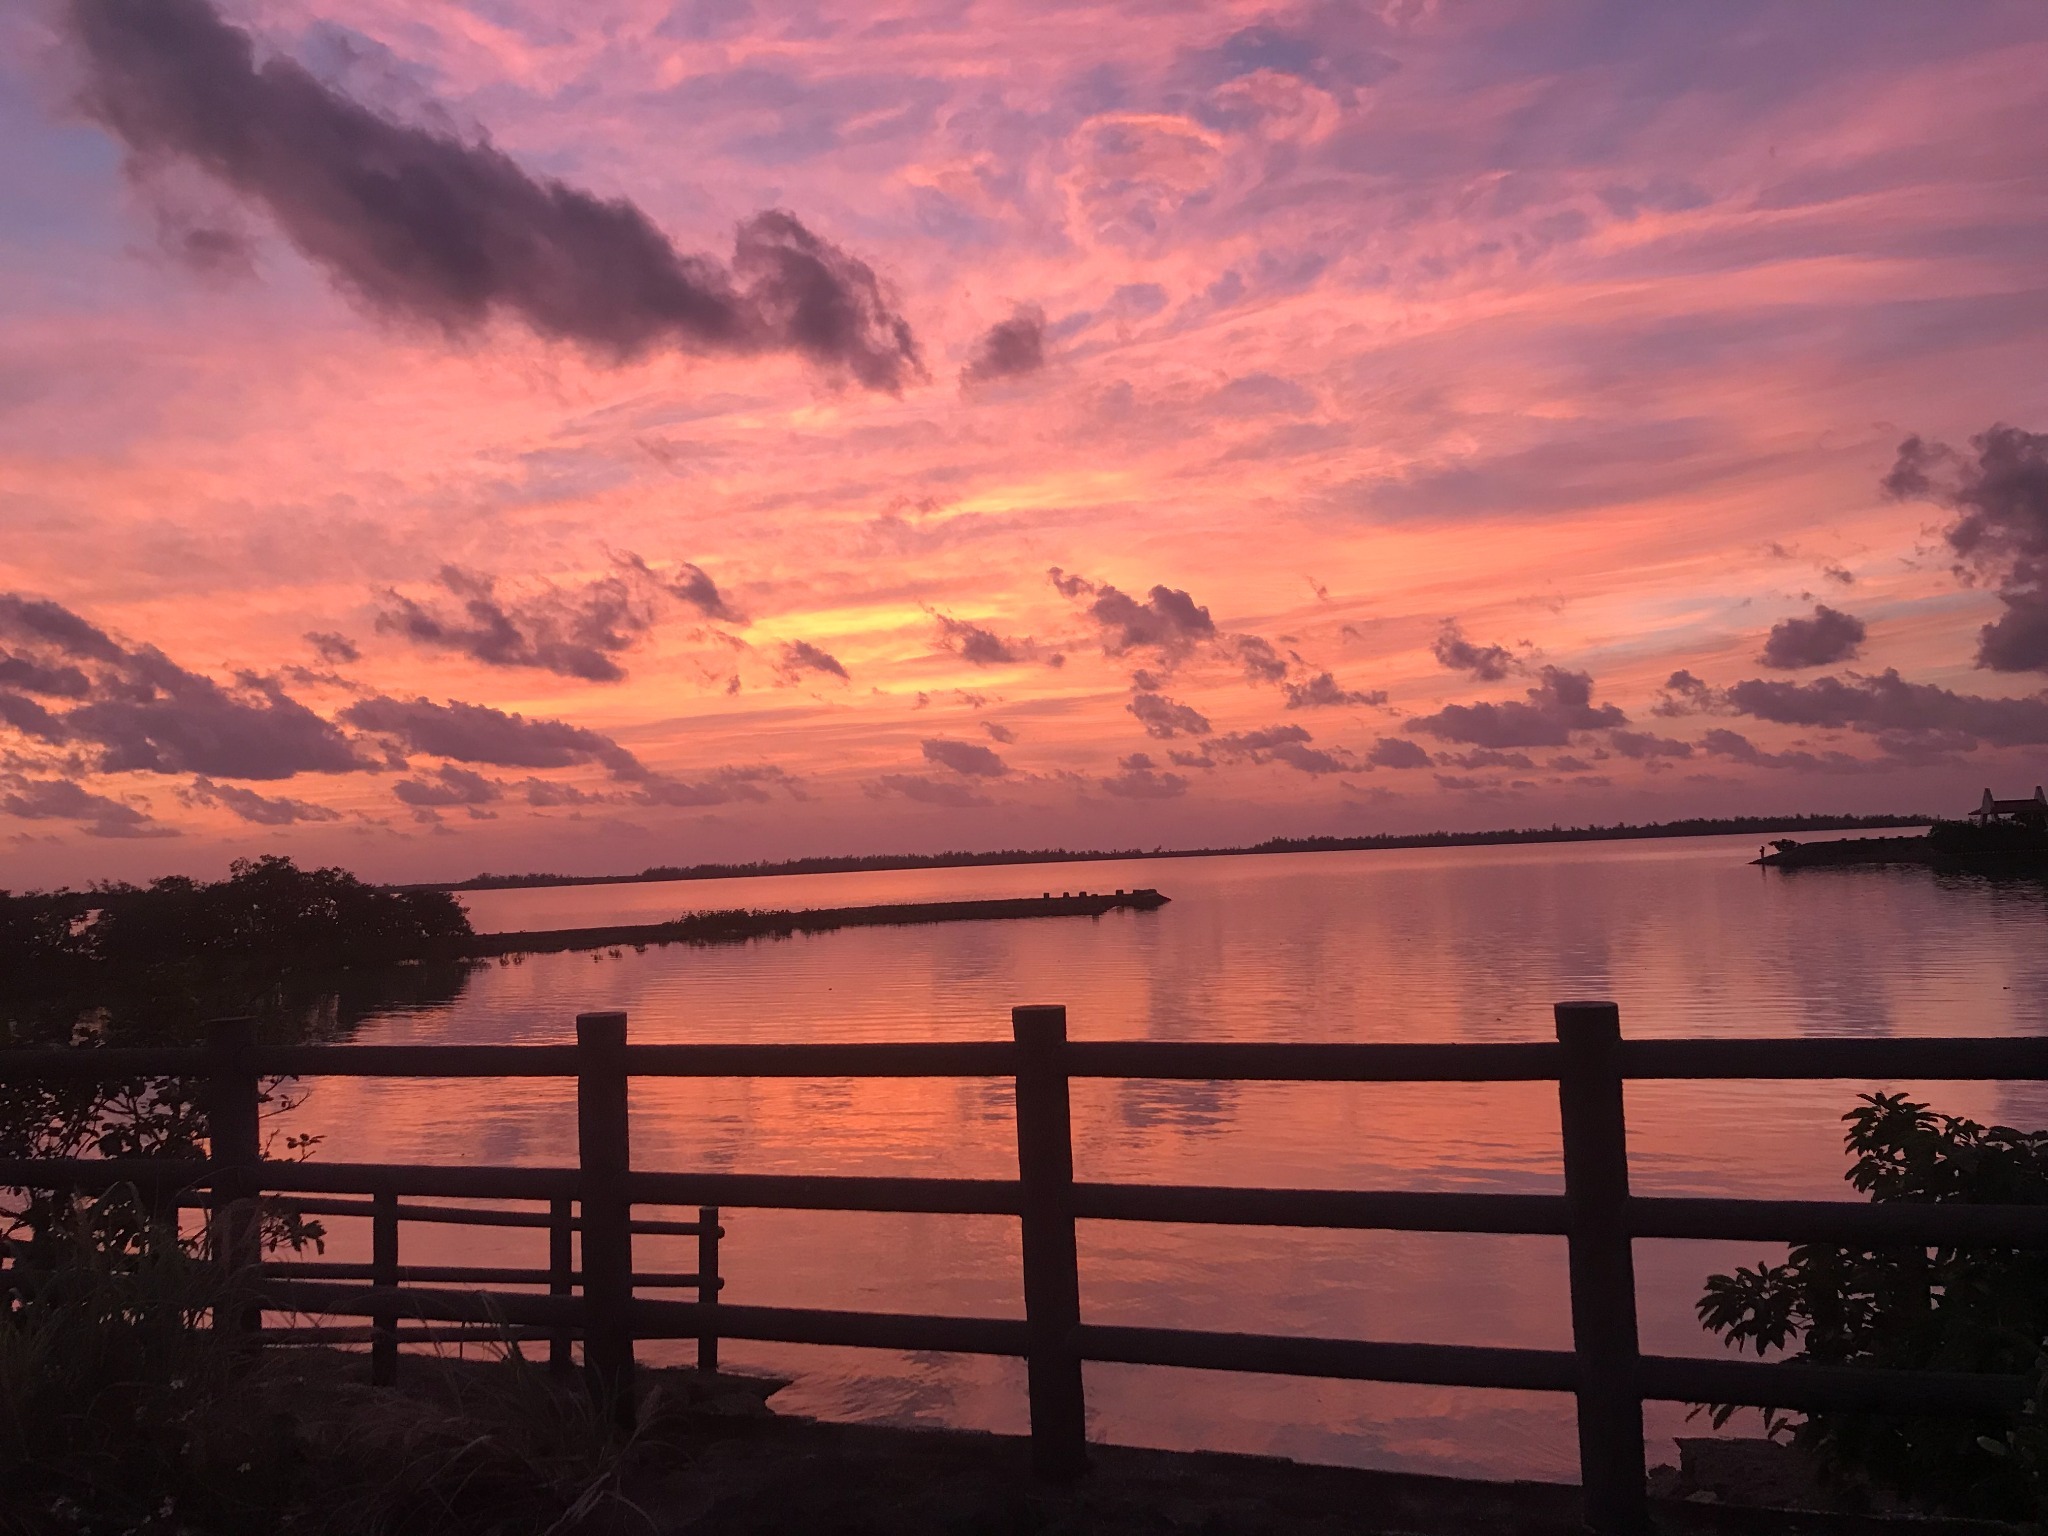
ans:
(598, 1302)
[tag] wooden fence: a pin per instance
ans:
(598, 1303)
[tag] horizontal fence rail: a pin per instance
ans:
(593, 1300)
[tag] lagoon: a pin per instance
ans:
(1422, 944)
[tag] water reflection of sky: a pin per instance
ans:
(1419, 945)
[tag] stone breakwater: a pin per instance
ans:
(732, 927)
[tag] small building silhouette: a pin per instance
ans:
(2020, 813)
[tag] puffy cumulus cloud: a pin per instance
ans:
(1488, 663)
(335, 649)
(1138, 778)
(1735, 747)
(1487, 757)
(721, 786)
(263, 810)
(800, 656)
(1166, 718)
(2000, 533)
(1261, 663)
(1009, 349)
(1822, 639)
(1901, 715)
(415, 223)
(1559, 705)
(1287, 744)
(448, 786)
(477, 733)
(1683, 694)
(978, 644)
(954, 794)
(1167, 621)
(62, 800)
(967, 758)
(573, 632)
(549, 794)
(133, 709)
(1323, 691)
(1644, 747)
(1394, 752)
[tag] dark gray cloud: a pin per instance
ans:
(1393, 752)
(334, 649)
(57, 680)
(2000, 533)
(1560, 704)
(689, 584)
(1487, 757)
(263, 810)
(1009, 349)
(572, 632)
(1166, 718)
(1644, 747)
(1822, 639)
(1288, 744)
(999, 732)
(1168, 620)
(547, 794)
(448, 785)
(800, 656)
(1488, 663)
(955, 794)
(477, 733)
(722, 786)
(1138, 778)
(1324, 692)
(1738, 748)
(136, 710)
(1900, 714)
(413, 222)
(975, 643)
(1683, 694)
(967, 758)
(62, 800)
(1261, 663)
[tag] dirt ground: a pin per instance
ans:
(714, 1457)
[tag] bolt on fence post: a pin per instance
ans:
(708, 1234)
(233, 1127)
(384, 1276)
(561, 1276)
(605, 1156)
(1603, 1276)
(1052, 1279)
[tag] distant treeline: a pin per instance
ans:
(1698, 826)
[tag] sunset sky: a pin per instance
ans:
(440, 436)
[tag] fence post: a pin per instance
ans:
(233, 1127)
(384, 1276)
(708, 1234)
(1603, 1275)
(605, 1155)
(1052, 1279)
(561, 1276)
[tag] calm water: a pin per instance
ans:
(1442, 944)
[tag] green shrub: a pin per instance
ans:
(1940, 1309)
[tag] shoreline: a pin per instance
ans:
(836, 864)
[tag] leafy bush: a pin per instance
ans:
(1942, 1309)
(184, 949)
